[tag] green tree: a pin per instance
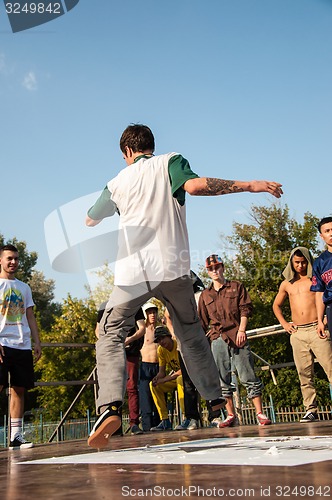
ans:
(43, 294)
(103, 289)
(75, 325)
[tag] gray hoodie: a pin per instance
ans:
(289, 272)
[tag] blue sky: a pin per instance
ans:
(241, 88)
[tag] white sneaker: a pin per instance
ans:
(19, 443)
(193, 425)
(310, 417)
(216, 422)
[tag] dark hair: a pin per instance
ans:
(325, 220)
(139, 138)
(299, 253)
(9, 247)
(161, 332)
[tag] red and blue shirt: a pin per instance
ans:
(322, 276)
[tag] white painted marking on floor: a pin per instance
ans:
(272, 451)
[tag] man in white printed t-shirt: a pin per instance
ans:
(17, 326)
(153, 261)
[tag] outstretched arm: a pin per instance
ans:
(104, 207)
(209, 186)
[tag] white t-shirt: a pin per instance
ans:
(153, 239)
(15, 298)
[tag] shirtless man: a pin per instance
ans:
(149, 368)
(305, 339)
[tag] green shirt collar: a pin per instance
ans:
(142, 156)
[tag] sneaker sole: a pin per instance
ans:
(161, 430)
(21, 447)
(100, 437)
(223, 426)
(264, 423)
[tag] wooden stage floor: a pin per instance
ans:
(278, 461)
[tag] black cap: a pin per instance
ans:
(160, 332)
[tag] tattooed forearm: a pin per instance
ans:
(209, 186)
(219, 186)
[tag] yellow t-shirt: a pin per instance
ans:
(170, 358)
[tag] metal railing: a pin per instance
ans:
(92, 380)
(40, 432)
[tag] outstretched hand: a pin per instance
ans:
(271, 187)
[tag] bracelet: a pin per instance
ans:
(242, 331)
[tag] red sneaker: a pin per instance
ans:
(263, 419)
(228, 422)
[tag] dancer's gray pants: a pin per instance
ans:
(119, 319)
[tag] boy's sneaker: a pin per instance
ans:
(183, 426)
(165, 425)
(136, 430)
(310, 417)
(190, 424)
(217, 404)
(263, 419)
(193, 425)
(106, 425)
(215, 422)
(19, 443)
(229, 421)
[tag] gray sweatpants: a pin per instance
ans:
(119, 319)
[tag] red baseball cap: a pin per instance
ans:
(213, 260)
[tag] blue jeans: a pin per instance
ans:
(149, 413)
(243, 363)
